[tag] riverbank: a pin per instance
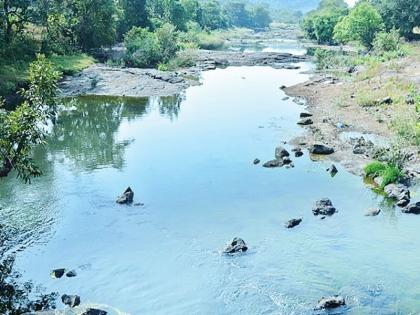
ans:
(104, 80)
(370, 102)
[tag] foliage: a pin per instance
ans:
(214, 17)
(388, 172)
(184, 58)
(385, 42)
(361, 24)
(25, 127)
(133, 13)
(319, 24)
(403, 15)
(148, 49)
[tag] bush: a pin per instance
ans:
(183, 59)
(389, 173)
(386, 42)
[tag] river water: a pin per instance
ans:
(189, 160)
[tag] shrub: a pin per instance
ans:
(167, 41)
(374, 169)
(388, 172)
(387, 42)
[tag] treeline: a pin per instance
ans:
(333, 22)
(63, 26)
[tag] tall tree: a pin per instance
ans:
(133, 13)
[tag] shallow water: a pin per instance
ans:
(189, 159)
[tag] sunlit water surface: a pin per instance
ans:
(189, 160)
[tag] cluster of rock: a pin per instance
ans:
(330, 302)
(58, 273)
(282, 158)
(361, 146)
(324, 207)
(398, 192)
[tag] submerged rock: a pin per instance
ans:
(321, 149)
(58, 273)
(324, 207)
(373, 212)
(332, 170)
(127, 197)
(256, 161)
(305, 122)
(70, 300)
(273, 164)
(281, 153)
(293, 222)
(71, 273)
(237, 245)
(413, 208)
(330, 302)
(94, 311)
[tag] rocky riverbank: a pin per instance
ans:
(104, 80)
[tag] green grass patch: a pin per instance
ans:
(71, 64)
(389, 173)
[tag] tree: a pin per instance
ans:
(214, 16)
(167, 11)
(133, 13)
(260, 17)
(238, 14)
(403, 15)
(362, 24)
(25, 127)
(14, 14)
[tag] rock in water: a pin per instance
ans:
(94, 311)
(71, 274)
(413, 208)
(256, 161)
(330, 302)
(333, 170)
(305, 115)
(305, 122)
(237, 245)
(70, 300)
(373, 212)
(398, 192)
(127, 197)
(273, 163)
(58, 273)
(293, 222)
(324, 207)
(287, 160)
(321, 149)
(281, 153)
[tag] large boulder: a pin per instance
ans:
(398, 192)
(321, 149)
(70, 300)
(281, 153)
(324, 207)
(127, 197)
(413, 208)
(237, 245)
(293, 222)
(330, 302)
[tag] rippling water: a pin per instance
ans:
(189, 159)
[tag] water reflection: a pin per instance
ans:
(85, 133)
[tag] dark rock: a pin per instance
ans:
(305, 115)
(71, 273)
(70, 300)
(273, 164)
(305, 122)
(298, 153)
(333, 170)
(292, 223)
(58, 273)
(282, 87)
(287, 160)
(321, 149)
(385, 101)
(237, 245)
(398, 192)
(330, 302)
(323, 207)
(281, 153)
(94, 311)
(373, 212)
(127, 197)
(256, 161)
(413, 208)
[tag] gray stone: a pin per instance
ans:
(398, 192)
(293, 222)
(70, 300)
(413, 208)
(281, 153)
(127, 197)
(321, 149)
(94, 311)
(237, 245)
(305, 122)
(71, 274)
(324, 207)
(330, 302)
(273, 164)
(372, 212)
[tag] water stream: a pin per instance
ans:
(189, 160)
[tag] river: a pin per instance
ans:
(189, 159)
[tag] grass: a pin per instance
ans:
(210, 41)
(72, 64)
(389, 173)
